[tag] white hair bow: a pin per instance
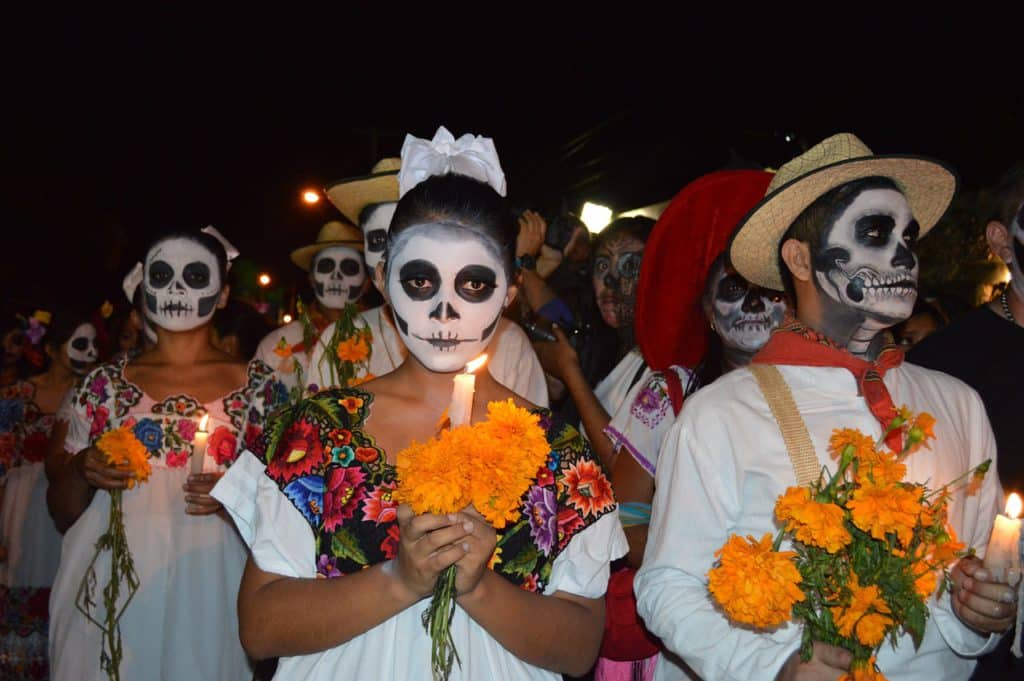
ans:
(470, 155)
(131, 282)
(229, 249)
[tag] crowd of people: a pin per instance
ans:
(267, 536)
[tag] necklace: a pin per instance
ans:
(1006, 308)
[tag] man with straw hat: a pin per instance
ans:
(369, 201)
(338, 277)
(837, 229)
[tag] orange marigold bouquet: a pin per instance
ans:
(868, 550)
(123, 450)
(489, 465)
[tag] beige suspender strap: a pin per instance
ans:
(794, 431)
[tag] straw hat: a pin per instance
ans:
(334, 233)
(353, 194)
(928, 185)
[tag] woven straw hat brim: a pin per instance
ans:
(303, 257)
(352, 195)
(928, 185)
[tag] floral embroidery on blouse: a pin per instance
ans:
(168, 429)
(652, 402)
(335, 475)
(24, 427)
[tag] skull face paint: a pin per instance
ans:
(866, 261)
(447, 287)
(338, 275)
(744, 314)
(615, 276)
(81, 348)
(375, 225)
(181, 283)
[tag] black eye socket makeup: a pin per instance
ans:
(420, 279)
(476, 283)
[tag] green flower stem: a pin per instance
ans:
(437, 620)
(122, 571)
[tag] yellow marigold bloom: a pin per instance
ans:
(879, 510)
(921, 431)
(881, 468)
(126, 452)
(863, 671)
(812, 523)
(864, 601)
(754, 584)
(863, 445)
(925, 584)
(353, 349)
(944, 553)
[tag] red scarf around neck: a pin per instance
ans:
(795, 344)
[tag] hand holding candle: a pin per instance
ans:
(460, 411)
(199, 446)
(1004, 554)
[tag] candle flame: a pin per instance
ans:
(476, 364)
(202, 421)
(1013, 506)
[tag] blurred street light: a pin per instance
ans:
(287, 319)
(264, 279)
(595, 216)
(311, 196)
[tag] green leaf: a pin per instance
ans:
(523, 564)
(344, 545)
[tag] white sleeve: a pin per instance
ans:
(515, 365)
(979, 514)
(643, 419)
(279, 537)
(79, 424)
(695, 503)
(582, 568)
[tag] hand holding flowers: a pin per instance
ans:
(429, 543)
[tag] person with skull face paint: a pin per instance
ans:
(982, 349)
(448, 274)
(338, 277)
(181, 623)
(31, 544)
(370, 202)
(838, 225)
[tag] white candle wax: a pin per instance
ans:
(460, 411)
(199, 447)
(1003, 552)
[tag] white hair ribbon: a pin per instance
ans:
(229, 249)
(470, 155)
(131, 282)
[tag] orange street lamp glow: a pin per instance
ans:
(287, 319)
(264, 279)
(311, 196)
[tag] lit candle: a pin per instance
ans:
(460, 411)
(1004, 554)
(199, 446)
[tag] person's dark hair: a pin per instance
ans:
(459, 201)
(809, 226)
(1008, 195)
(242, 321)
(638, 227)
(203, 239)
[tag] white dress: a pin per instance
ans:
(512, 362)
(722, 466)
(577, 536)
(182, 622)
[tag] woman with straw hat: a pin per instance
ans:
(837, 227)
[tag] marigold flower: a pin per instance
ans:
(921, 431)
(813, 523)
(842, 439)
(879, 510)
(124, 451)
(754, 584)
(865, 615)
(925, 584)
(881, 468)
(863, 671)
(353, 349)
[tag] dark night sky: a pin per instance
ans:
(114, 129)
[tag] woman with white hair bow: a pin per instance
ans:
(340, 574)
